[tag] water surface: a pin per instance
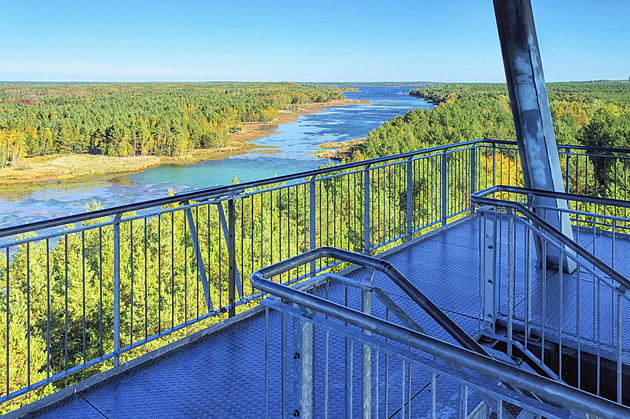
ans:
(292, 151)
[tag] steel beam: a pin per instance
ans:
(232, 257)
(226, 235)
(200, 266)
(530, 108)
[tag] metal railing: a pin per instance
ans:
(392, 358)
(83, 293)
(570, 315)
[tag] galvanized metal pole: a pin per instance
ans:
(473, 174)
(303, 384)
(409, 198)
(117, 218)
(366, 305)
(232, 258)
(489, 269)
(312, 226)
(366, 211)
(530, 108)
(444, 188)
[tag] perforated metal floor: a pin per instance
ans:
(223, 375)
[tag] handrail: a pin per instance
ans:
(399, 279)
(553, 194)
(547, 389)
(227, 190)
(481, 198)
(218, 191)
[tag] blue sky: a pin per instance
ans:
(315, 40)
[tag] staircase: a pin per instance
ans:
(399, 355)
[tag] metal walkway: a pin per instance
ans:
(223, 374)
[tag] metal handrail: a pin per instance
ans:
(481, 198)
(549, 390)
(553, 194)
(220, 191)
(382, 266)
(227, 190)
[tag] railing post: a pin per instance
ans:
(312, 219)
(231, 257)
(511, 284)
(444, 188)
(473, 174)
(303, 368)
(568, 174)
(117, 218)
(494, 164)
(489, 268)
(366, 210)
(366, 305)
(409, 198)
(226, 236)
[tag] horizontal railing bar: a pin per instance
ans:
(561, 147)
(474, 382)
(568, 255)
(220, 191)
(593, 154)
(215, 192)
(589, 214)
(259, 279)
(58, 376)
(481, 199)
(549, 390)
(553, 194)
(595, 215)
(111, 222)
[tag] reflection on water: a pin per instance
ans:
(292, 151)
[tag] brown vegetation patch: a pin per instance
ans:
(339, 151)
(41, 169)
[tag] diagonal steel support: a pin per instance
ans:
(200, 266)
(226, 235)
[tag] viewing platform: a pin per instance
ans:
(417, 285)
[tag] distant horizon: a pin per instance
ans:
(359, 83)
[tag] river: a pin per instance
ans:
(293, 148)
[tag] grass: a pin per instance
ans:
(41, 169)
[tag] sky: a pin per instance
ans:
(314, 40)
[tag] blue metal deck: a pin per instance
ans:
(223, 374)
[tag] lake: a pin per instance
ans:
(293, 148)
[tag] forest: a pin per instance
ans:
(57, 292)
(161, 119)
(586, 113)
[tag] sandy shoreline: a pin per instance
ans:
(77, 167)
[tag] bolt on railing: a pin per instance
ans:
(579, 310)
(453, 363)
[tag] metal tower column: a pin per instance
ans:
(530, 108)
